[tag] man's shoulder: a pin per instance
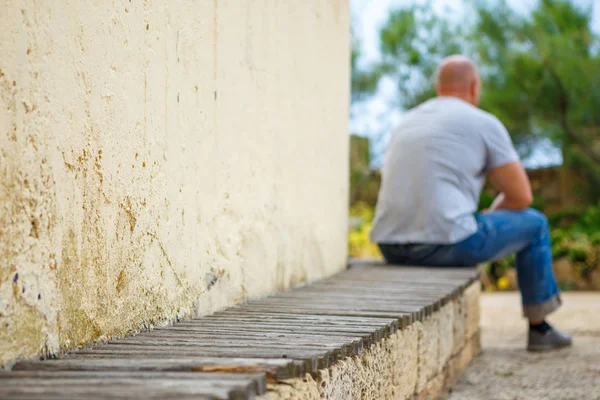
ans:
(476, 112)
(452, 103)
(481, 118)
(452, 111)
(492, 123)
(487, 116)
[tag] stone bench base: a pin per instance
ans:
(422, 359)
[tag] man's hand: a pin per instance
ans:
(495, 204)
(512, 182)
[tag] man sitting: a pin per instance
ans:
(432, 177)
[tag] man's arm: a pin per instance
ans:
(512, 182)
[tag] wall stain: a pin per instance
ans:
(76, 325)
(121, 280)
(212, 277)
(27, 224)
(94, 265)
(126, 206)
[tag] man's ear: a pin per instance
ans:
(474, 85)
(475, 88)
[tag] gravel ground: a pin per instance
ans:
(506, 371)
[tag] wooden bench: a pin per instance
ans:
(369, 332)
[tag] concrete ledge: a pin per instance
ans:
(419, 361)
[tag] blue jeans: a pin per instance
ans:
(499, 234)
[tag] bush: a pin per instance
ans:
(361, 223)
(580, 242)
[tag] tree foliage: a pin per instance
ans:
(540, 71)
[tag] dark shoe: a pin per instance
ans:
(550, 340)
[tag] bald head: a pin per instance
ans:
(457, 76)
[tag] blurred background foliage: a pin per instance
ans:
(540, 77)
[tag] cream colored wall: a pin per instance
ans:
(160, 159)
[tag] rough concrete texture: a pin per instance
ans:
(384, 371)
(415, 361)
(506, 371)
(429, 350)
(447, 377)
(160, 159)
(472, 295)
(459, 325)
(446, 341)
(437, 343)
(306, 388)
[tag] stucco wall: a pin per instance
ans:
(162, 159)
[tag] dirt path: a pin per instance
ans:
(506, 371)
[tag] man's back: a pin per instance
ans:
(434, 170)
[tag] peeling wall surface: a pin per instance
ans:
(163, 159)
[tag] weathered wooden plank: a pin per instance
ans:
(362, 277)
(366, 294)
(211, 340)
(357, 295)
(314, 358)
(265, 334)
(415, 312)
(366, 291)
(380, 265)
(225, 346)
(339, 320)
(355, 343)
(468, 275)
(339, 303)
(256, 330)
(250, 315)
(116, 389)
(400, 281)
(128, 384)
(308, 365)
(398, 274)
(293, 318)
(399, 289)
(323, 353)
(275, 369)
(349, 302)
(60, 391)
(276, 326)
(333, 306)
(402, 319)
(221, 377)
(340, 347)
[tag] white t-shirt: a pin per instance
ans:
(434, 170)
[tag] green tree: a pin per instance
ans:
(364, 82)
(539, 71)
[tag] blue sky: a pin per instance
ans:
(375, 117)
